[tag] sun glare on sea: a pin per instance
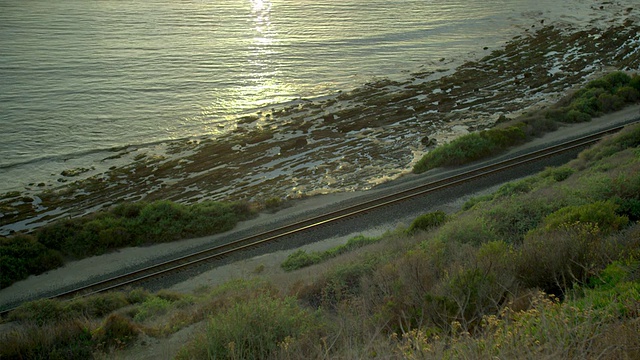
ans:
(263, 63)
(259, 5)
(261, 10)
(263, 84)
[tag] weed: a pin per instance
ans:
(255, 329)
(153, 306)
(116, 332)
(300, 258)
(428, 221)
(65, 340)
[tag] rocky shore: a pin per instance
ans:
(346, 141)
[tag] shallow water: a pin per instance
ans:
(79, 78)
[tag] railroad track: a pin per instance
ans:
(221, 251)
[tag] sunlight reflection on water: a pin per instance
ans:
(78, 77)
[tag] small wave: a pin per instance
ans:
(87, 153)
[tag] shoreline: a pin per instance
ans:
(103, 266)
(477, 35)
(350, 141)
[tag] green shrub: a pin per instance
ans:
(55, 235)
(538, 125)
(612, 295)
(587, 102)
(559, 173)
(576, 116)
(161, 221)
(475, 295)
(628, 94)
(572, 115)
(603, 95)
(558, 114)
(64, 341)
(496, 257)
(116, 332)
(512, 218)
(624, 191)
(459, 151)
(628, 207)
(125, 225)
(137, 296)
(629, 137)
(517, 187)
(273, 203)
(23, 255)
(114, 238)
(140, 223)
(502, 138)
(339, 284)
(300, 258)
(599, 84)
(428, 221)
(476, 200)
(602, 214)
(257, 328)
(152, 306)
(614, 274)
(617, 79)
(212, 217)
(128, 210)
(555, 260)
(98, 305)
(466, 229)
(470, 147)
(40, 312)
(47, 311)
(608, 103)
(635, 82)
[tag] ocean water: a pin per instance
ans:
(81, 77)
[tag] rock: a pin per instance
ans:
(426, 141)
(502, 119)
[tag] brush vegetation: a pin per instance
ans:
(133, 224)
(128, 224)
(301, 258)
(601, 96)
(545, 267)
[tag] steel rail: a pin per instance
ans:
(220, 251)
